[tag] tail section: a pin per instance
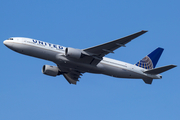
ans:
(150, 61)
(160, 69)
(156, 71)
(148, 80)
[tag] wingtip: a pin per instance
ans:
(144, 31)
(174, 65)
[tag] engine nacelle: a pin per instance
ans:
(72, 52)
(51, 70)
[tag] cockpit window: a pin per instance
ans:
(10, 39)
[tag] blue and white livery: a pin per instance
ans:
(72, 63)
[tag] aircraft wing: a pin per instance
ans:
(72, 77)
(106, 48)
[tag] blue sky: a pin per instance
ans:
(26, 93)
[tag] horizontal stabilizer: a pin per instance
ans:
(160, 69)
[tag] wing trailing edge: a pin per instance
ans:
(109, 47)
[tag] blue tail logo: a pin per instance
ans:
(150, 61)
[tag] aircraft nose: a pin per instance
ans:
(5, 42)
(8, 43)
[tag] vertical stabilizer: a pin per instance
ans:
(148, 81)
(150, 61)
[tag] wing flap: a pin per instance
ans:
(73, 76)
(71, 79)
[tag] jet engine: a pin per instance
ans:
(51, 70)
(72, 52)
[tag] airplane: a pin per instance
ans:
(72, 62)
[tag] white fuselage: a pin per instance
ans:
(56, 54)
